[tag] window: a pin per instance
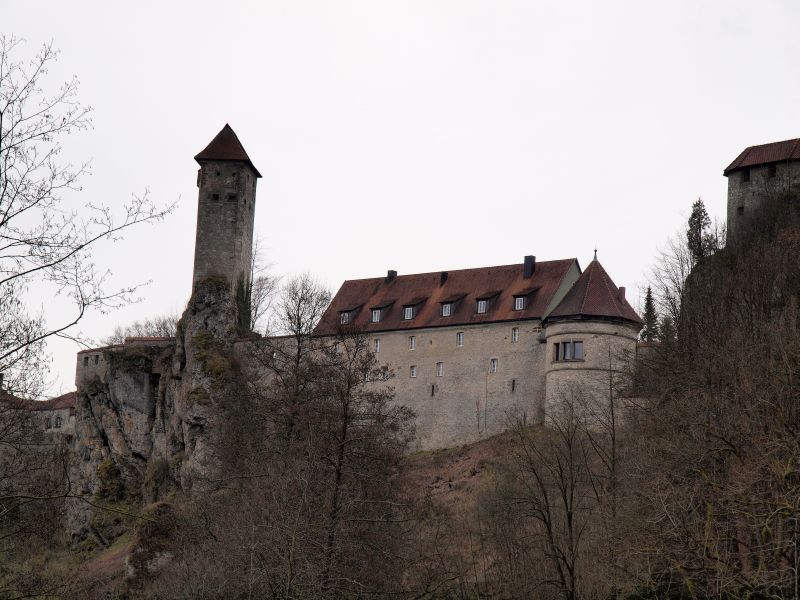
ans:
(413, 370)
(519, 302)
(460, 339)
(344, 317)
(366, 376)
(58, 421)
(447, 308)
(568, 351)
(377, 346)
(384, 373)
(513, 385)
(215, 196)
(439, 369)
(85, 361)
(482, 306)
(408, 312)
(514, 335)
(232, 197)
(772, 170)
(412, 342)
(493, 366)
(433, 389)
(376, 315)
(745, 175)
(740, 211)
(48, 424)
(96, 358)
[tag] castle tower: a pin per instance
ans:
(225, 210)
(761, 171)
(591, 333)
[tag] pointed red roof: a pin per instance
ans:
(765, 154)
(226, 146)
(595, 295)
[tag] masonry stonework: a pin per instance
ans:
(748, 187)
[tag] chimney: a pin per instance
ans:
(621, 294)
(443, 277)
(529, 266)
(391, 276)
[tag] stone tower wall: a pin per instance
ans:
(604, 345)
(744, 196)
(225, 213)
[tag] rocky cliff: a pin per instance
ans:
(150, 419)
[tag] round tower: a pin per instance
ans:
(225, 211)
(591, 339)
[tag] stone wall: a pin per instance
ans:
(225, 213)
(745, 196)
(468, 401)
(607, 347)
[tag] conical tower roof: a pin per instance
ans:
(226, 146)
(594, 295)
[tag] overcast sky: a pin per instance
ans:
(418, 136)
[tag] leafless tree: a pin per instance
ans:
(264, 287)
(46, 238)
(159, 326)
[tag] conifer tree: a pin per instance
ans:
(697, 235)
(650, 329)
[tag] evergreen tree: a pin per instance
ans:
(650, 329)
(666, 330)
(698, 237)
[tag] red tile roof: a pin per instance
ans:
(226, 146)
(594, 295)
(765, 154)
(462, 287)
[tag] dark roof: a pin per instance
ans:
(463, 287)
(64, 401)
(765, 154)
(594, 295)
(226, 146)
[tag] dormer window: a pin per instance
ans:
(376, 315)
(408, 313)
(519, 302)
(447, 309)
(483, 306)
(344, 317)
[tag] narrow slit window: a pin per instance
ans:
(514, 335)
(493, 365)
(460, 339)
(377, 346)
(413, 371)
(513, 385)
(412, 342)
(439, 369)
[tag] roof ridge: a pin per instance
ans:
(614, 297)
(587, 286)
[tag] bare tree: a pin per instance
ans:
(264, 287)
(46, 242)
(159, 326)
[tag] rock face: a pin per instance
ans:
(154, 410)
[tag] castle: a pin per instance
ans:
(469, 349)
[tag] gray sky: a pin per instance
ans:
(418, 136)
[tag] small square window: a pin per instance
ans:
(772, 170)
(493, 366)
(460, 339)
(483, 305)
(514, 335)
(377, 346)
(376, 315)
(408, 312)
(447, 308)
(519, 302)
(413, 371)
(412, 342)
(344, 318)
(439, 369)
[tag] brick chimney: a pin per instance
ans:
(622, 294)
